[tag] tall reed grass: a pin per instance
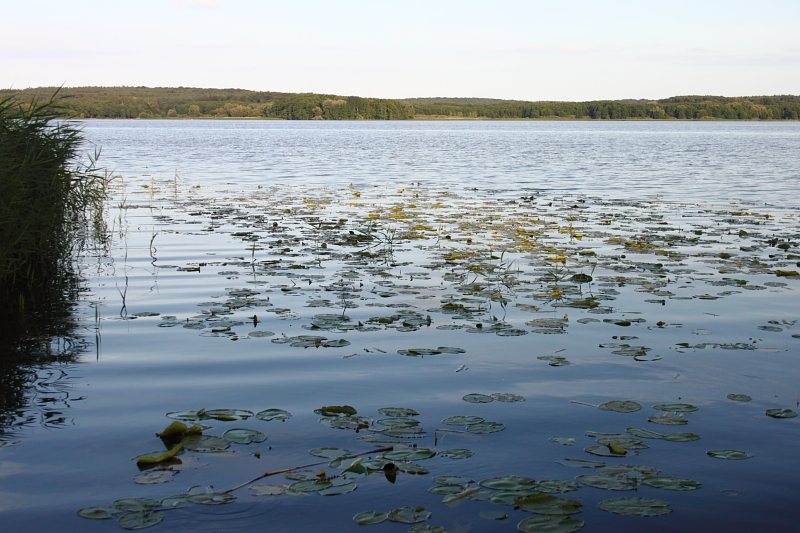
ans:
(50, 193)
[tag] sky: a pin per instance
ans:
(572, 50)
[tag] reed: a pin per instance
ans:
(49, 197)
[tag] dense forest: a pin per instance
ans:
(181, 102)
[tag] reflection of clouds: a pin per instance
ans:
(193, 3)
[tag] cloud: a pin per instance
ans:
(193, 3)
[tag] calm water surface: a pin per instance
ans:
(214, 222)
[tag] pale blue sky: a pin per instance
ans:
(534, 50)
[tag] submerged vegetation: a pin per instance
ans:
(181, 102)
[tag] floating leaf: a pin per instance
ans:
(493, 515)
(244, 436)
(226, 415)
(462, 420)
(625, 442)
(453, 480)
(781, 413)
(338, 489)
(310, 485)
(607, 451)
(408, 454)
(681, 437)
(635, 507)
(627, 470)
(556, 486)
(260, 334)
(729, 454)
(451, 349)
(154, 476)
(507, 497)
(211, 498)
(205, 443)
(398, 422)
(644, 433)
(509, 483)
(155, 459)
(507, 397)
(267, 490)
(477, 398)
(620, 406)
(667, 420)
(329, 453)
(548, 505)
(739, 397)
(446, 490)
(407, 515)
(456, 453)
(580, 463)
(550, 524)
(336, 410)
(563, 441)
(608, 482)
(136, 504)
(273, 414)
(367, 518)
(99, 513)
(513, 332)
(140, 519)
(676, 407)
(671, 483)
(486, 427)
(397, 411)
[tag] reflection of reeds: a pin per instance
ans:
(47, 199)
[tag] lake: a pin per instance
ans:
(576, 321)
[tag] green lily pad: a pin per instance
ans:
(338, 489)
(513, 332)
(620, 406)
(425, 528)
(368, 518)
(550, 524)
(205, 443)
(408, 454)
(211, 498)
(493, 515)
(414, 469)
(98, 513)
(556, 486)
(644, 433)
(398, 422)
(635, 507)
(453, 480)
(414, 432)
(417, 352)
(486, 427)
(628, 443)
(397, 411)
(781, 413)
(336, 410)
(509, 483)
(608, 482)
(407, 515)
(671, 483)
(477, 398)
(244, 436)
(681, 437)
(507, 497)
(607, 451)
(668, 420)
(462, 420)
(739, 397)
(226, 415)
(451, 349)
(676, 407)
(152, 477)
(174, 500)
(548, 505)
(446, 490)
(267, 490)
(729, 454)
(260, 334)
(136, 504)
(140, 519)
(329, 453)
(457, 453)
(580, 463)
(273, 414)
(310, 485)
(627, 470)
(298, 475)
(507, 397)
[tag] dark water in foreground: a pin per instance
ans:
(389, 241)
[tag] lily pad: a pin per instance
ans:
(367, 518)
(397, 411)
(425, 528)
(548, 505)
(462, 420)
(446, 490)
(211, 498)
(398, 422)
(671, 483)
(513, 332)
(667, 420)
(550, 524)
(606, 451)
(676, 407)
(507, 497)
(136, 504)
(408, 454)
(620, 406)
(628, 443)
(244, 436)
(451, 349)
(456, 453)
(260, 334)
(407, 515)
(630, 471)
(556, 486)
(154, 476)
(453, 480)
(98, 513)
(310, 485)
(226, 415)
(336, 410)
(140, 519)
(273, 414)
(486, 427)
(507, 483)
(507, 397)
(338, 489)
(729, 454)
(608, 481)
(781, 413)
(636, 507)
(267, 490)
(739, 397)
(329, 453)
(477, 398)
(681, 437)
(644, 433)
(205, 443)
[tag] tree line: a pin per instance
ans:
(184, 102)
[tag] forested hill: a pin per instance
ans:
(183, 102)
